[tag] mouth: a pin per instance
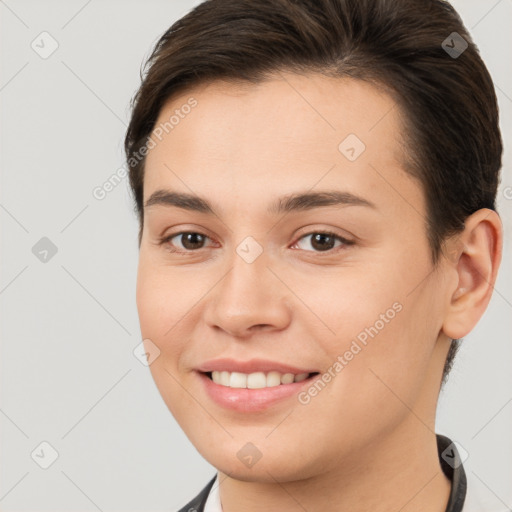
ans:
(253, 392)
(256, 380)
(253, 385)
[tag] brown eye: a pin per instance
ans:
(185, 241)
(192, 240)
(322, 241)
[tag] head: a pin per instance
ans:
(394, 148)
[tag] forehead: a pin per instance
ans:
(288, 132)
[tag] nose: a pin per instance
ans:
(248, 299)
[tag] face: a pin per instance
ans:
(245, 278)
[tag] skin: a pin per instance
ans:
(367, 440)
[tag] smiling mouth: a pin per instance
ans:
(256, 380)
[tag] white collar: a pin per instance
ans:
(213, 501)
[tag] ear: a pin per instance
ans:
(474, 257)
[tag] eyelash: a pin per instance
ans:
(344, 241)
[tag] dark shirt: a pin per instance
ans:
(448, 457)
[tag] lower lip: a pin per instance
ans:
(251, 400)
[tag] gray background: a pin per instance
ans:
(69, 325)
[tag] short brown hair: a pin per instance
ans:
(452, 135)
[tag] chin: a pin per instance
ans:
(272, 466)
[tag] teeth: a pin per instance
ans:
(238, 380)
(287, 378)
(255, 380)
(224, 378)
(272, 379)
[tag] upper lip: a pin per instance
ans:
(251, 366)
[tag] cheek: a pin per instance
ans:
(164, 297)
(161, 303)
(343, 302)
(374, 327)
(394, 361)
(373, 373)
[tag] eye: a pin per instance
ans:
(322, 241)
(190, 241)
(186, 241)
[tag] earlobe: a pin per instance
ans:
(476, 260)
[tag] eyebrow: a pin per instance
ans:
(293, 202)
